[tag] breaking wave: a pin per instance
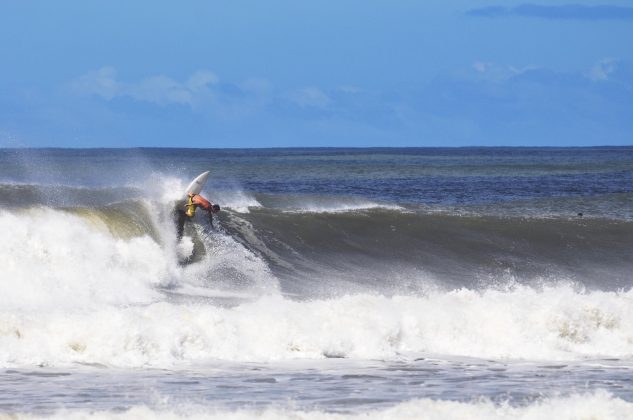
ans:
(105, 283)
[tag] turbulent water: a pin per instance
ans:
(336, 283)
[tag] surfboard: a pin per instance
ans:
(198, 183)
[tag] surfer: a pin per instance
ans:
(187, 211)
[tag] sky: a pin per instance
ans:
(288, 73)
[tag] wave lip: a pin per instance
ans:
(237, 200)
(342, 208)
(313, 203)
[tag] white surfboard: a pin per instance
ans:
(198, 183)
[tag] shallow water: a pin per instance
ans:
(339, 386)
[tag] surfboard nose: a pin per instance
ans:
(198, 183)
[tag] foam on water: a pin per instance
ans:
(53, 259)
(598, 405)
(552, 324)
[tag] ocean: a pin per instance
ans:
(386, 283)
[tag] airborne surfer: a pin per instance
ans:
(187, 211)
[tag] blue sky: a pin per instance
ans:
(305, 73)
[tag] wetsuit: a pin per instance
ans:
(187, 210)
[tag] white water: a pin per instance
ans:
(73, 292)
(52, 259)
(596, 406)
(553, 325)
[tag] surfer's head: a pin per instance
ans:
(215, 208)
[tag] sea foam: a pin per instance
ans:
(54, 259)
(597, 405)
(555, 324)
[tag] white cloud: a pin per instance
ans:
(160, 89)
(310, 97)
(481, 66)
(201, 79)
(351, 89)
(256, 86)
(494, 72)
(203, 92)
(602, 69)
(100, 82)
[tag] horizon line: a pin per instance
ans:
(309, 147)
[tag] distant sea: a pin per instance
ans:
(471, 283)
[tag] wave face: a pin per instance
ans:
(374, 249)
(329, 256)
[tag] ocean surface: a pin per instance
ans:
(474, 283)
